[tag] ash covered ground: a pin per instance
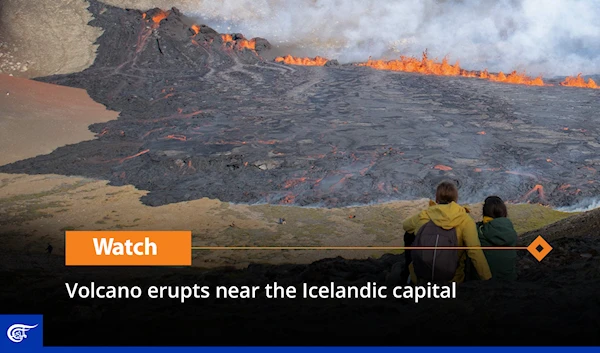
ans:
(206, 117)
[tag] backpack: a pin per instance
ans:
(435, 265)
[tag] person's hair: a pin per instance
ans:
(494, 207)
(446, 193)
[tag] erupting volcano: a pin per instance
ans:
(208, 114)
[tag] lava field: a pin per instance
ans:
(213, 115)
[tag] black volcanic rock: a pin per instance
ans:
(203, 115)
(262, 45)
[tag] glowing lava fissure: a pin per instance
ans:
(291, 60)
(424, 65)
(427, 66)
(579, 81)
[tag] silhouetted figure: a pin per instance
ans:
(409, 238)
(49, 249)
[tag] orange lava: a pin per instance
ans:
(293, 182)
(411, 64)
(291, 60)
(539, 189)
(135, 155)
(196, 29)
(246, 44)
(515, 78)
(160, 16)
(177, 137)
(288, 199)
(579, 82)
(428, 66)
(240, 43)
(442, 167)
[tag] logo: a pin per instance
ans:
(21, 333)
(17, 332)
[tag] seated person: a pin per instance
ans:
(444, 223)
(497, 230)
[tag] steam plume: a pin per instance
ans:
(559, 37)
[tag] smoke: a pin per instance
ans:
(583, 206)
(553, 38)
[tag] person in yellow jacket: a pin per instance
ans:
(447, 214)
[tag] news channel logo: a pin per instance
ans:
(21, 333)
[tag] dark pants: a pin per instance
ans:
(409, 238)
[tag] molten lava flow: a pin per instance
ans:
(411, 64)
(246, 44)
(293, 182)
(239, 43)
(564, 187)
(288, 199)
(291, 60)
(428, 66)
(135, 155)
(196, 29)
(442, 167)
(159, 16)
(540, 189)
(177, 137)
(579, 82)
(515, 78)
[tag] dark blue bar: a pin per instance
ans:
(323, 349)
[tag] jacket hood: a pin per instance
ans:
(447, 216)
(499, 232)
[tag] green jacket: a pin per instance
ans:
(499, 232)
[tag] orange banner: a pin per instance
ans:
(128, 248)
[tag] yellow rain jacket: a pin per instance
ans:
(450, 216)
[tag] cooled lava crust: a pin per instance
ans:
(205, 114)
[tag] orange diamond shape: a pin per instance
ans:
(539, 254)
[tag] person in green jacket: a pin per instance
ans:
(497, 230)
